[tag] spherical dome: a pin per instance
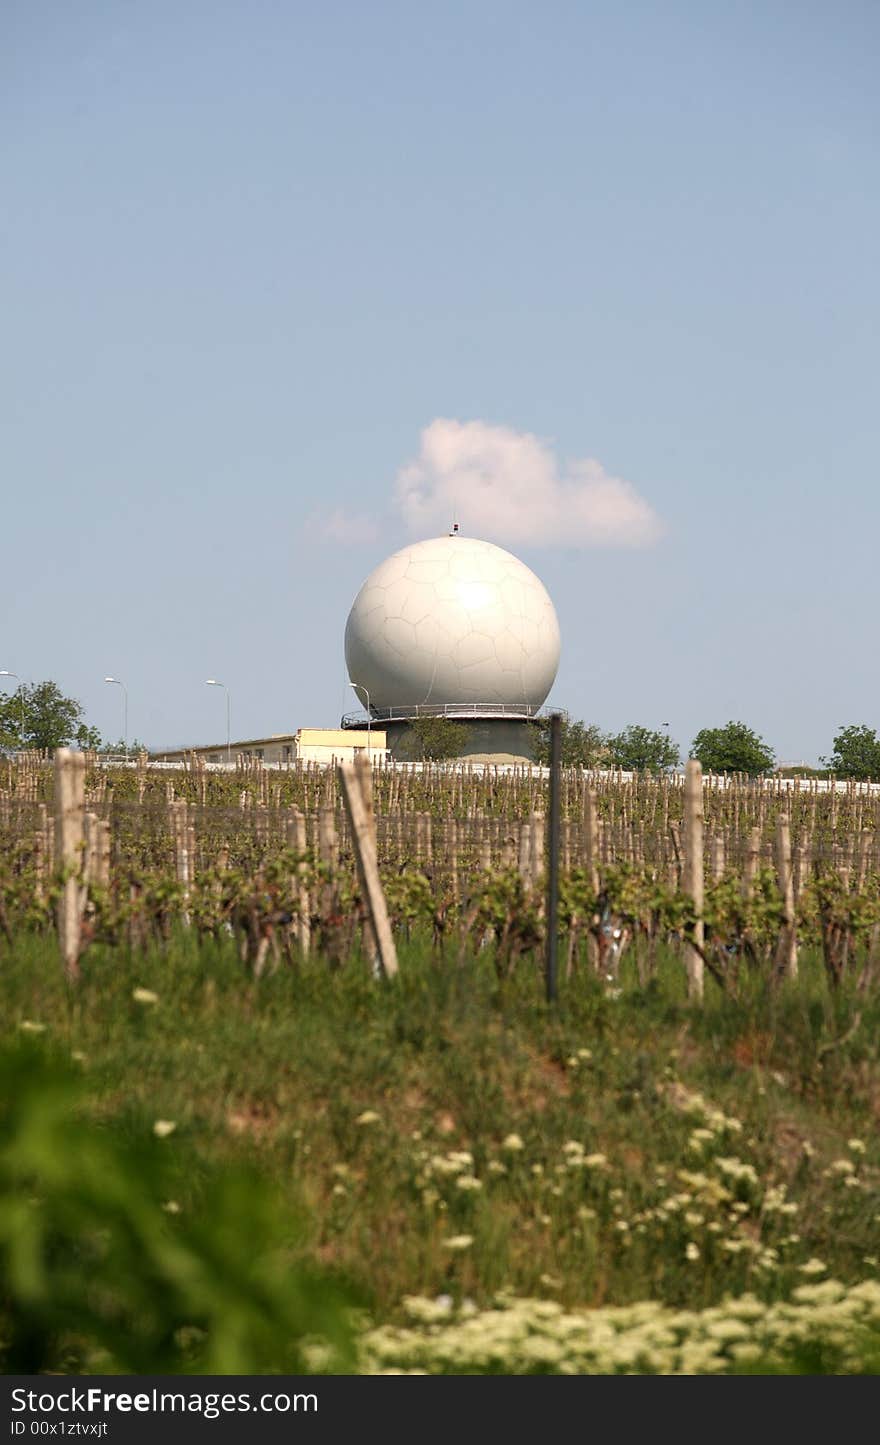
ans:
(452, 620)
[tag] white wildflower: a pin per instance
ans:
(840, 1167)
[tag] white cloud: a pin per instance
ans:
(509, 486)
(349, 529)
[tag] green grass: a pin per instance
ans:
(287, 1074)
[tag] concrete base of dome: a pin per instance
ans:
(484, 740)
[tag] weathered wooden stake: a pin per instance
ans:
(524, 856)
(693, 871)
(452, 846)
(590, 839)
(753, 857)
(536, 852)
(552, 909)
(70, 783)
(786, 952)
(296, 838)
(363, 839)
(364, 774)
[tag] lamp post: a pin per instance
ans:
(6, 673)
(124, 711)
(213, 682)
(357, 685)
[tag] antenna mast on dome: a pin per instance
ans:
(454, 532)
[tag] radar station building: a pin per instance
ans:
(459, 629)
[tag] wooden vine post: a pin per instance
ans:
(536, 850)
(552, 905)
(179, 812)
(296, 838)
(364, 774)
(753, 858)
(787, 952)
(70, 787)
(452, 858)
(693, 872)
(363, 837)
(591, 854)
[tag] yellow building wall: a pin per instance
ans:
(322, 745)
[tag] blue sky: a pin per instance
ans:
(250, 253)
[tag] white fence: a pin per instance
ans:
(773, 784)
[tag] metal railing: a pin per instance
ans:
(516, 711)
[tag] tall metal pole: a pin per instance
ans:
(214, 682)
(552, 923)
(124, 711)
(20, 690)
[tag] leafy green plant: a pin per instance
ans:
(583, 744)
(856, 753)
(642, 750)
(103, 1268)
(734, 748)
(435, 739)
(38, 715)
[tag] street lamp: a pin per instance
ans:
(666, 726)
(124, 711)
(212, 682)
(360, 685)
(5, 673)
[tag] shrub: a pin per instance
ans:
(102, 1269)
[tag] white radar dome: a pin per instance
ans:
(452, 620)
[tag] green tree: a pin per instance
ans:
(118, 748)
(735, 748)
(436, 739)
(38, 715)
(641, 750)
(583, 744)
(856, 753)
